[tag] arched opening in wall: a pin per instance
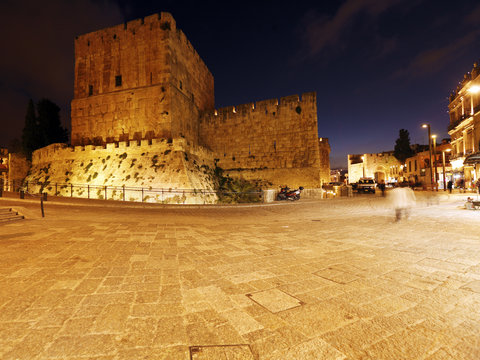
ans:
(379, 176)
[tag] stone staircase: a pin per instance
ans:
(8, 215)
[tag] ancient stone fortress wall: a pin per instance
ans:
(161, 164)
(274, 140)
(18, 167)
(143, 111)
(324, 149)
(139, 80)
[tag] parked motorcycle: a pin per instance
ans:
(287, 194)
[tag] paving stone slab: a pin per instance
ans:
(335, 275)
(275, 300)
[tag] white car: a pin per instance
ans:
(366, 185)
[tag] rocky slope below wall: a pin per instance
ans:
(164, 172)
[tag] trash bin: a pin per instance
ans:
(22, 194)
(44, 195)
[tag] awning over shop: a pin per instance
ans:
(472, 159)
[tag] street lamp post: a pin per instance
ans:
(363, 165)
(443, 164)
(434, 140)
(430, 151)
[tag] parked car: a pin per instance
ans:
(366, 185)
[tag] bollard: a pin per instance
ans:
(22, 194)
(41, 206)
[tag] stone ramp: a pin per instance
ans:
(8, 215)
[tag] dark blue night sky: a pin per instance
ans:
(377, 65)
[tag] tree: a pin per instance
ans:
(44, 129)
(402, 149)
(49, 126)
(30, 139)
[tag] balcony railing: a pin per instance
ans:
(456, 155)
(455, 123)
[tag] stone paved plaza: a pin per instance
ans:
(327, 279)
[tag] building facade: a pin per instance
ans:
(380, 166)
(464, 127)
(417, 168)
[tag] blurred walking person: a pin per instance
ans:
(403, 199)
(381, 186)
(450, 186)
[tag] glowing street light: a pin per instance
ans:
(427, 126)
(474, 89)
(443, 164)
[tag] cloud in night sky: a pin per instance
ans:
(325, 32)
(38, 56)
(434, 60)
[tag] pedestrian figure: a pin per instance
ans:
(381, 186)
(450, 186)
(403, 199)
(478, 186)
(461, 185)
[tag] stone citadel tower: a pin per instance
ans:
(139, 80)
(142, 91)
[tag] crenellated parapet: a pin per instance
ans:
(63, 151)
(270, 107)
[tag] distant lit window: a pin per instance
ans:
(118, 80)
